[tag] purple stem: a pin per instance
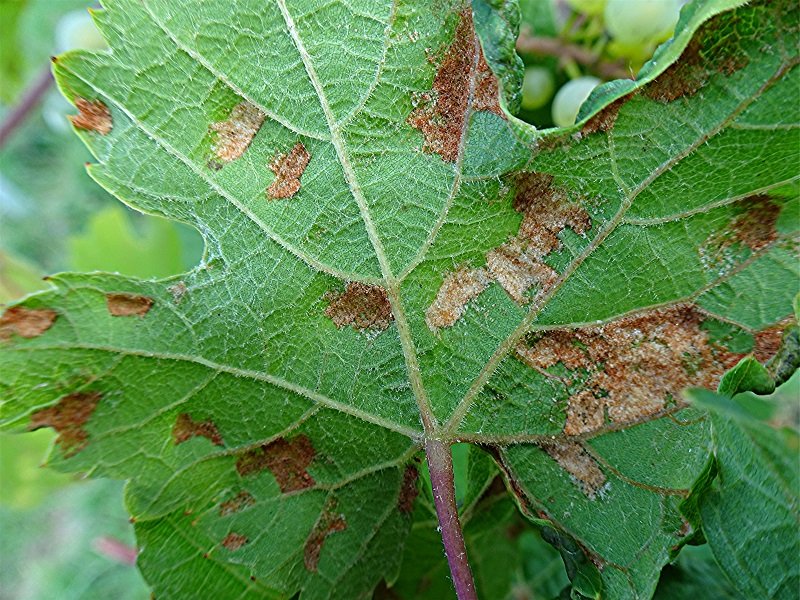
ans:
(440, 465)
(30, 99)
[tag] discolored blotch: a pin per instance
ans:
(328, 523)
(68, 417)
(442, 113)
(515, 266)
(234, 541)
(178, 291)
(288, 168)
(518, 264)
(630, 368)
(605, 119)
(25, 322)
(703, 57)
(235, 134)
(546, 211)
(186, 428)
(239, 502)
(408, 490)
(487, 90)
(575, 460)
(93, 115)
(288, 462)
(362, 306)
(128, 305)
(756, 227)
(458, 288)
(768, 341)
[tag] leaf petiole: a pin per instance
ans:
(440, 466)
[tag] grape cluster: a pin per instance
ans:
(621, 32)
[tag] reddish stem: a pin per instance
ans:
(440, 465)
(30, 99)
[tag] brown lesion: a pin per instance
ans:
(239, 502)
(287, 460)
(186, 428)
(458, 289)
(288, 168)
(26, 322)
(441, 114)
(576, 460)
(128, 305)
(630, 368)
(756, 227)
(753, 229)
(68, 417)
(328, 523)
(234, 135)
(605, 120)
(517, 265)
(701, 59)
(233, 541)
(93, 115)
(408, 490)
(362, 307)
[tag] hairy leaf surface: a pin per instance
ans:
(392, 257)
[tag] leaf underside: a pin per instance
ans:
(391, 256)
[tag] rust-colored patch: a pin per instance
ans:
(441, 114)
(487, 90)
(518, 264)
(328, 523)
(235, 134)
(288, 169)
(68, 418)
(362, 306)
(239, 502)
(286, 460)
(756, 227)
(26, 322)
(408, 490)
(458, 288)
(93, 115)
(186, 428)
(516, 267)
(605, 119)
(768, 341)
(128, 305)
(575, 460)
(753, 229)
(697, 64)
(631, 367)
(234, 541)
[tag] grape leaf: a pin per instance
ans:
(392, 258)
(757, 468)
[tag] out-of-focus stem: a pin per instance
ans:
(29, 100)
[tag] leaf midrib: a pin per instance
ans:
(389, 280)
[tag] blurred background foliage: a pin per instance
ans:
(69, 538)
(63, 537)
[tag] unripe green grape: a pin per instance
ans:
(77, 30)
(588, 7)
(635, 53)
(640, 22)
(537, 87)
(569, 98)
